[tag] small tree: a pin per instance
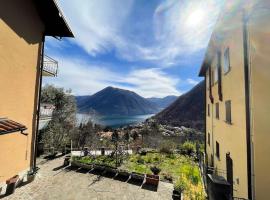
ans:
(126, 138)
(59, 130)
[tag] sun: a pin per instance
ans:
(195, 18)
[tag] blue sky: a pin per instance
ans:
(152, 47)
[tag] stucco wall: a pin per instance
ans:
(259, 31)
(20, 40)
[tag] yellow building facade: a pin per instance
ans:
(237, 76)
(23, 27)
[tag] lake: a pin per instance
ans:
(113, 121)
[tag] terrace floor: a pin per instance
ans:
(56, 183)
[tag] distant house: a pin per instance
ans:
(45, 114)
(236, 68)
(23, 27)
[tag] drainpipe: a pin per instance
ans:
(213, 143)
(205, 117)
(248, 114)
(38, 108)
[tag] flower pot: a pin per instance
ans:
(99, 168)
(123, 173)
(152, 179)
(67, 161)
(110, 169)
(176, 195)
(81, 165)
(11, 184)
(137, 176)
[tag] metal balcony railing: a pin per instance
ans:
(46, 111)
(50, 66)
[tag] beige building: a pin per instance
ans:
(236, 68)
(23, 27)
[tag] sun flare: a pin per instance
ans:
(195, 18)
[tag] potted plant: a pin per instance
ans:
(153, 179)
(110, 171)
(155, 170)
(11, 184)
(179, 186)
(123, 173)
(137, 176)
(66, 161)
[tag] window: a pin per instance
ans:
(208, 109)
(226, 65)
(207, 80)
(215, 74)
(228, 111)
(212, 161)
(217, 110)
(217, 150)
(208, 139)
(212, 76)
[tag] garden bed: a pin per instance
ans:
(181, 170)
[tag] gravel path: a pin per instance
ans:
(56, 183)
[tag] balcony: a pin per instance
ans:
(46, 111)
(50, 67)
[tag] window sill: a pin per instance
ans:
(225, 73)
(229, 123)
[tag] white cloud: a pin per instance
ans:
(97, 23)
(180, 27)
(192, 81)
(86, 79)
(151, 83)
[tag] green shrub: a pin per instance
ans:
(156, 158)
(171, 156)
(194, 175)
(180, 185)
(188, 148)
(155, 170)
(191, 172)
(148, 159)
(167, 147)
(140, 160)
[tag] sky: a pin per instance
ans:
(152, 47)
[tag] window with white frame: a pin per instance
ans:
(226, 66)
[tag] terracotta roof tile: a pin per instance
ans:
(9, 126)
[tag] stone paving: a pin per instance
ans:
(56, 183)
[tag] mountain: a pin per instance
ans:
(115, 101)
(163, 102)
(188, 110)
